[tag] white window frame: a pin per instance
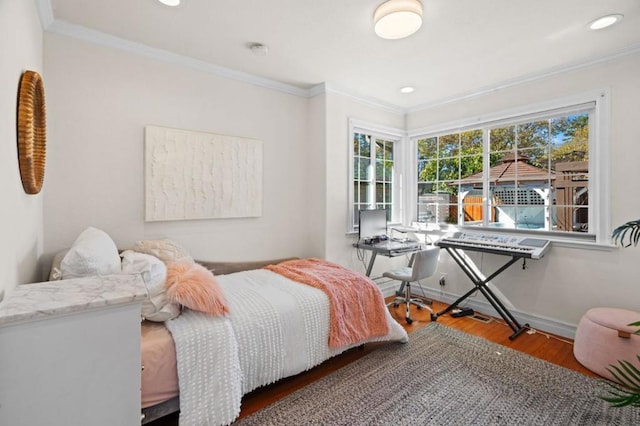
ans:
(399, 137)
(599, 159)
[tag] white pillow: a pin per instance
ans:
(165, 250)
(92, 253)
(156, 307)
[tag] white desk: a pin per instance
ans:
(388, 248)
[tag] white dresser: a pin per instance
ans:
(70, 352)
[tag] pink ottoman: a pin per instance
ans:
(603, 338)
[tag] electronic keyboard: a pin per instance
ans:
(509, 245)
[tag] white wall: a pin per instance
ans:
(340, 109)
(316, 176)
(568, 281)
(100, 99)
(20, 214)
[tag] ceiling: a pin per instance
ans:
(464, 46)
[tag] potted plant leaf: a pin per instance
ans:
(628, 393)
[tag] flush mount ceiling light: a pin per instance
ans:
(170, 2)
(605, 21)
(395, 19)
(407, 89)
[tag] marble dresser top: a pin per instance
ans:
(28, 302)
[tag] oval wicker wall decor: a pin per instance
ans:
(32, 131)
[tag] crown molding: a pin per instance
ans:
(45, 11)
(550, 72)
(107, 40)
(366, 100)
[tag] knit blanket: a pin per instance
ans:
(209, 374)
(356, 303)
(276, 328)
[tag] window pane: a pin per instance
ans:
(427, 170)
(449, 145)
(363, 193)
(384, 170)
(362, 145)
(388, 151)
(448, 169)
(427, 148)
(502, 139)
(425, 188)
(361, 168)
(426, 213)
(384, 149)
(383, 193)
(533, 134)
(570, 138)
(472, 206)
(571, 218)
(536, 156)
(471, 169)
(471, 142)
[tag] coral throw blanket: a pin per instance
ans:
(357, 308)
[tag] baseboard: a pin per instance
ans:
(545, 324)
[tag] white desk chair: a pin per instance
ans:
(425, 264)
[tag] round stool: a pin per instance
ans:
(603, 338)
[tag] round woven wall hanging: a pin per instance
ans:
(32, 131)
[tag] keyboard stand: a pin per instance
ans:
(481, 283)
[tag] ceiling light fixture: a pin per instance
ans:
(395, 19)
(605, 21)
(170, 2)
(407, 89)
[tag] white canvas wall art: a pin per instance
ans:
(197, 175)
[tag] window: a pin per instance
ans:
(541, 171)
(375, 155)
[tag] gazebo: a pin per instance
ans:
(519, 193)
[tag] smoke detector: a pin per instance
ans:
(259, 49)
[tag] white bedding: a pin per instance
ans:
(276, 328)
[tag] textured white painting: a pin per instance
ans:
(197, 175)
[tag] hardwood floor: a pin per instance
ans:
(539, 344)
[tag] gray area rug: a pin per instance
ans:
(446, 377)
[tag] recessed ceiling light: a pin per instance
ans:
(170, 2)
(605, 21)
(407, 89)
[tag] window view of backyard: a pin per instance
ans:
(373, 174)
(526, 175)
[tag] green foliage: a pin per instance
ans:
(631, 230)
(627, 394)
(546, 142)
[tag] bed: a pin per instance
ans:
(201, 366)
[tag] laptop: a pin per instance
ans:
(373, 230)
(372, 225)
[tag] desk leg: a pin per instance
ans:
(371, 262)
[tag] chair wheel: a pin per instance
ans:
(419, 307)
(395, 305)
(409, 320)
(434, 317)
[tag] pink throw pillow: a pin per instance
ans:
(194, 286)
